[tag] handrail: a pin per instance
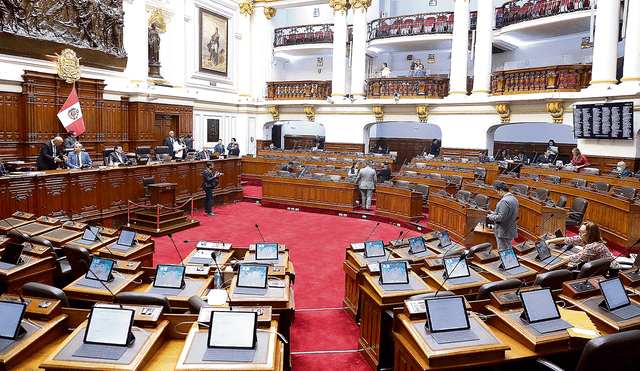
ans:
(408, 87)
(306, 34)
(409, 25)
(532, 80)
(292, 90)
(516, 11)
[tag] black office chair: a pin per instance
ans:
(613, 352)
(533, 176)
(106, 153)
(591, 170)
(18, 237)
(541, 194)
(578, 182)
(553, 279)
(40, 290)
(63, 268)
(555, 179)
(562, 201)
(484, 292)
(79, 258)
(402, 183)
(575, 215)
(196, 303)
(144, 298)
(629, 192)
(455, 179)
(143, 154)
(480, 173)
(463, 196)
(486, 246)
(601, 186)
(162, 152)
(435, 176)
(594, 268)
(145, 186)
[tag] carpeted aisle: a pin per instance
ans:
(323, 337)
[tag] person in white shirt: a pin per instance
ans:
(385, 71)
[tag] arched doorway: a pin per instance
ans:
(404, 138)
(532, 138)
(292, 134)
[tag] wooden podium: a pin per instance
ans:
(447, 213)
(399, 203)
(163, 193)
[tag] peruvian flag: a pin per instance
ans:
(70, 114)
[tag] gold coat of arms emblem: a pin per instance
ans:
(69, 66)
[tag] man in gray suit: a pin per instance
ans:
(366, 181)
(506, 228)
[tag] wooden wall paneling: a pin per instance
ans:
(407, 148)
(84, 194)
(183, 178)
(124, 125)
(112, 125)
(299, 141)
(10, 122)
(54, 194)
(19, 195)
(264, 144)
(114, 184)
(343, 147)
(135, 182)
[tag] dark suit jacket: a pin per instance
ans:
(208, 179)
(45, 159)
(167, 142)
(114, 158)
(384, 174)
(201, 155)
(234, 151)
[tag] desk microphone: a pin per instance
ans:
(113, 256)
(391, 249)
(534, 232)
(524, 282)
(617, 184)
(102, 282)
(258, 228)
(462, 257)
(176, 247)
(17, 292)
(73, 223)
(15, 201)
(454, 245)
(213, 256)
(374, 228)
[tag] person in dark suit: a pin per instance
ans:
(209, 182)
(70, 141)
(188, 141)
(219, 148)
(168, 141)
(234, 150)
(78, 159)
(51, 155)
(385, 173)
(318, 143)
(231, 145)
(504, 217)
(118, 156)
(303, 172)
(205, 154)
(482, 157)
(545, 158)
(435, 148)
(288, 167)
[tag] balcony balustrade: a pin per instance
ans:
(295, 90)
(308, 34)
(541, 79)
(409, 25)
(516, 11)
(408, 87)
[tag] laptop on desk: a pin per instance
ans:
(252, 279)
(11, 256)
(267, 252)
(125, 241)
(457, 270)
(99, 273)
(541, 312)
(394, 276)
(447, 320)
(509, 262)
(374, 250)
(169, 280)
(616, 300)
(108, 334)
(10, 326)
(232, 337)
(89, 236)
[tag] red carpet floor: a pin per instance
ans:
(323, 337)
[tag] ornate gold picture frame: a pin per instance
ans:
(214, 43)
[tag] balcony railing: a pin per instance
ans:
(290, 90)
(409, 25)
(309, 34)
(408, 87)
(516, 11)
(542, 79)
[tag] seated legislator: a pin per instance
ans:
(593, 247)
(482, 157)
(579, 160)
(118, 156)
(205, 154)
(503, 156)
(302, 172)
(51, 154)
(288, 167)
(78, 158)
(622, 170)
(354, 169)
(544, 158)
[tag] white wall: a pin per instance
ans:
(539, 132)
(414, 130)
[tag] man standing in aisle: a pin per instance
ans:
(506, 228)
(209, 182)
(51, 155)
(366, 181)
(232, 145)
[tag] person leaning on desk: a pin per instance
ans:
(51, 154)
(593, 247)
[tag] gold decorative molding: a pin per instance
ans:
(269, 12)
(360, 4)
(159, 18)
(247, 8)
(504, 111)
(275, 114)
(340, 5)
(423, 113)
(310, 112)
(68, 66)
(377, 111)
(556, 110)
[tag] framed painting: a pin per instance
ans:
(214, 43)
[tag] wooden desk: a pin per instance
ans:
(94, 246)
(469, 290)
(121, 282)
(193, 286)
(34, 229)
(8, 224)
(602, 318)
(139, 353)
(459, 221)
(435, 185)
(139, 252)
(375, 300)
(163, 193)
(561, 261)
(34, 269)
(398, 203)
(493, 169)
(416, 350)
(341, 196)
(492, 268)
(269, 350)
(60, 236)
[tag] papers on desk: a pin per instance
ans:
(217, 297)
(582, 325)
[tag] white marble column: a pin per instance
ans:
(135, 41)
(339, 70)
(631, 68)
(484, 45)
(605, 44)
(358, 65)
(244, 55)
(261, 52)
(459, 50)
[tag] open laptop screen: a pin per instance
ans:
(233, 329)
(126, 238)
(543, 250)
(444, 239)
(109, 326)
(509, 259)
(393, 272)
(100, 269)
(456, 267)
(373, 249)
(539, 305)
(90, 233)
(446, 314)
(254, 276)
(417, 245)
(266, 251)
(11, 314)
(169, 276)
(11, 253)
(614, 293)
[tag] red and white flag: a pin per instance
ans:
(70, 114)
